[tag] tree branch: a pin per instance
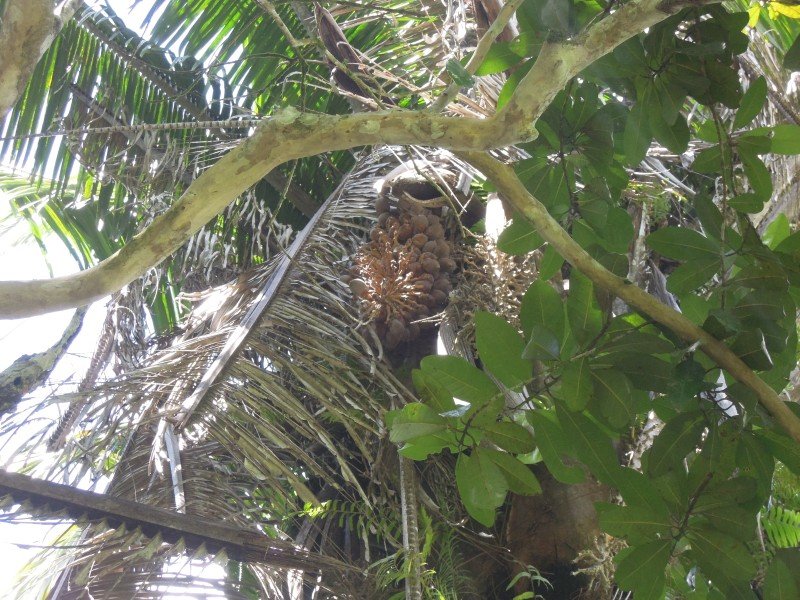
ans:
(291, 135)
(509, 185)
(27, 29)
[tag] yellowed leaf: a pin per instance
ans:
(793, 12)
(754, 12)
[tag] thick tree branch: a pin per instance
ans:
(558, 62)
(27, 29)
(509, 185)
(291, 135)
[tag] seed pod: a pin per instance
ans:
(442, 248)
(397, 326)
(443, 283)
(430, 265)
(382, 218)
(391, 222)
(358, 287)
(413, 331)
(382, 205)
(440, 297)
(432, 219)
(423, 310)
(404, 232)
(415, 266)
(423, 284)
(447, 264)
(392, 340)
(430, 246)
(435, 232)
(346, 278)
(375, 233)
(404, 204)
(419, 240)
(420, 223)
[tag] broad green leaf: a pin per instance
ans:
(519, 238)
(637, 136)
(791, 60)
(757, 174)
(510, 436)
(674, 137)
(500, 349)
(781, 582)
(414, 420)
(786, 139)
(678, 437)
(751, 347)
(710, 546)
(550, 265)
(576, 384)
(584, 314)
(463, 380)
(708, 160)
(459, 74)
(542, 345)
(518, 476)
(755, 461)
(552, 443)
(501, 57)
(747, 203)
(614, 392)
(782, 447)
(682, 243)
(542, 307)
(638, 524)
(592, 445)
(641, 568)
(637, 341)
(752, 102)
(733, 520)
(777, 231)
(432, 392)
(481, 485)
(618, 232)
(692, 274)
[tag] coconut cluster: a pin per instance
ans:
(402, 275)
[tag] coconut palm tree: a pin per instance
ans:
(247, 379)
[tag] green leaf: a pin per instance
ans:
(692, 274)
(781, 581)
(519, 238)
(576, 384)
(550, 264)
(542, 345)
(751, 347)
(510, 436)
(782, 447)
(641, 569)
(518, 476)
(432, 392)
(552, 443)
(500, 349)
(777, 231)
(757, 174)
(414, 420)
(674, 137)
(709, 546)
(481, 485)
(637, 136)
(583, 312)
(459, 74)
(747, 203)
(617, 235)
(679, 436)
(791, 61)
(708, 160)
(614, 393)
(542, 307)
(592, 445)
(637, 341)
(463, 380)
(786, 139)
(752, 102)
(682, 243)
(636, 523)
(501, 57)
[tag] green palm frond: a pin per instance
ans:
(782, 527)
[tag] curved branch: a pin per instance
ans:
(291, 135)
(508, 184)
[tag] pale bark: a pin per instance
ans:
(290, 135)
(27, 29)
